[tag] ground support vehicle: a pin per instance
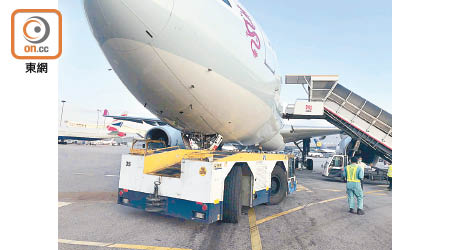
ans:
(202, 185)
(336, 165)
(369, 126)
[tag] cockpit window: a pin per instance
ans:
(227, 2)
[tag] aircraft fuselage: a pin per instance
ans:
(200, 65)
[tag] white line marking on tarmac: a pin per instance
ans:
(83, 174)
(84, 243)
(62, 204)
(106, 175)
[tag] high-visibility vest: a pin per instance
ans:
(390, 171)
(351, 173)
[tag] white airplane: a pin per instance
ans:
(204, 67)
(80, 131)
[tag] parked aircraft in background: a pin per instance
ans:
(79, 131)
(64, 136)
(211, 75)
(326, 144)
(121, 126)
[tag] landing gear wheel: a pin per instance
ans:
(278, 187)
(232, 196)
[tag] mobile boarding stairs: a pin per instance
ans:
(354, 115)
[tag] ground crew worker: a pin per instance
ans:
(363, 165)
(389, 174)
(353, 174)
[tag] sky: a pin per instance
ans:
(349, 38)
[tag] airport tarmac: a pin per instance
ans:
(314, 217)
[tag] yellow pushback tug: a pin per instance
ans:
(202, 185)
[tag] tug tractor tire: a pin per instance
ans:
(278, 187)
(232, 196)
(309, 164)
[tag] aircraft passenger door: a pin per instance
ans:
(270, 59)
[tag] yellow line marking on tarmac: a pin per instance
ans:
(254, 232)
(278, 215)
(333, 199)
(62, 204)
(268, 218)
(331, 190)
(301, 188)
(115, 245)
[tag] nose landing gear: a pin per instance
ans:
(200, 141)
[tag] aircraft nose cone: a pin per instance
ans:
(127, 19)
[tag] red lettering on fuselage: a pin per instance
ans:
(255, 43)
